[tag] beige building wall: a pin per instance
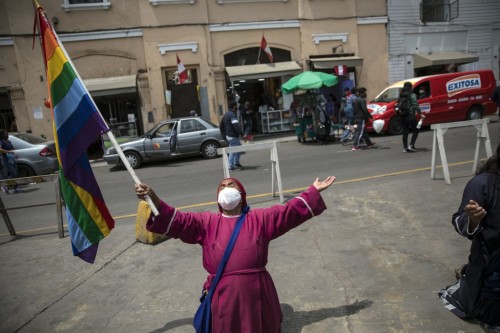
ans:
(21, 68)
(373, 47)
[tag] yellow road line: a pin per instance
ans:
(299, 189)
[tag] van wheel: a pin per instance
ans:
(474, 113)
(394, 127)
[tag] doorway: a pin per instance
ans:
(184, 97)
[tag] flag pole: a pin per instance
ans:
(109, 133)
(260, 49)
(111, 136)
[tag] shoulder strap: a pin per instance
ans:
(228, 250)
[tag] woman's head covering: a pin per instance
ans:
(242, 191)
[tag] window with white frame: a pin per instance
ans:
(70, 5)
(235, 1)
(170, 2)
(438, 10)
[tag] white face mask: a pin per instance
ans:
(229, 198)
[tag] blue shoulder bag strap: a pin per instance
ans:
(228, 251)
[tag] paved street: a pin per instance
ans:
(371, 263)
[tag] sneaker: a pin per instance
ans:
(5, 189)
(16, 190)
(406, 150)
(235, 168)
(412, 148)
(239, 166)
(370, 145)
(354, 148)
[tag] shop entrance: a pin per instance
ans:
(184, 97)
(257, 82)
(121, 114)
(6, 114)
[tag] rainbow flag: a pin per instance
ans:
(77, 123)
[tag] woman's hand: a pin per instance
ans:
(143, 190)
(323, 185)
(475, 213)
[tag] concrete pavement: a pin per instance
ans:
(371, 263)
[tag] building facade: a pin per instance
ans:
(126, 53)
(429, 36)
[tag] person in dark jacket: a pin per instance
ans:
(233, 132)
(409, 120)
(476, 294)
(361, 116)
(496, 98)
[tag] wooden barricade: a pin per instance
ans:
(32, 181)
(483, 137)
(275, 164)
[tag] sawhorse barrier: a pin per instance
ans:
(28, 181)
(483, 137)
(275, 165)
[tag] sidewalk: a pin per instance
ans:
(370, 265)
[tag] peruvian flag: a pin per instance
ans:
(266, 48)
(181, 70)
(341, 70)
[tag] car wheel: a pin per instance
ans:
(474, 113)
(394, 127)
(133, 158)
(24, 171)
(209, 149)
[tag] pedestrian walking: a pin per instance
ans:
(496, 98)
(407, 108)
(245, 299)
(361, 116)
(8, 159)
(347, 105)
(247, 116)
(233, 132)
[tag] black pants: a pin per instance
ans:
(361, 133)
(409, 124)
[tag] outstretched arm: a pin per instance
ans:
(324, 184)
(143, 190)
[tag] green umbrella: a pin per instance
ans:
(309, 80)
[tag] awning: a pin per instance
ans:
(442, 58)
(251, 72)
(325, 63)
(111, 85)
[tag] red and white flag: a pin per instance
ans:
(341, 70)
(266, 48)
(181, 71)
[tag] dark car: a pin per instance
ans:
(34, 154)
(194, 135)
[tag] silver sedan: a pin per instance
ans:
(168, 139)
(34, 154)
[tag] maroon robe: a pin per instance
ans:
(245, 299)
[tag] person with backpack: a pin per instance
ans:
(323, 123)
(476, 294)
(406, 107)
(347, 105)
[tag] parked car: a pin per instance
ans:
(446, 97)
(34, 154)
(195, 135)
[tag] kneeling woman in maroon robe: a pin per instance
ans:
(245, 299)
